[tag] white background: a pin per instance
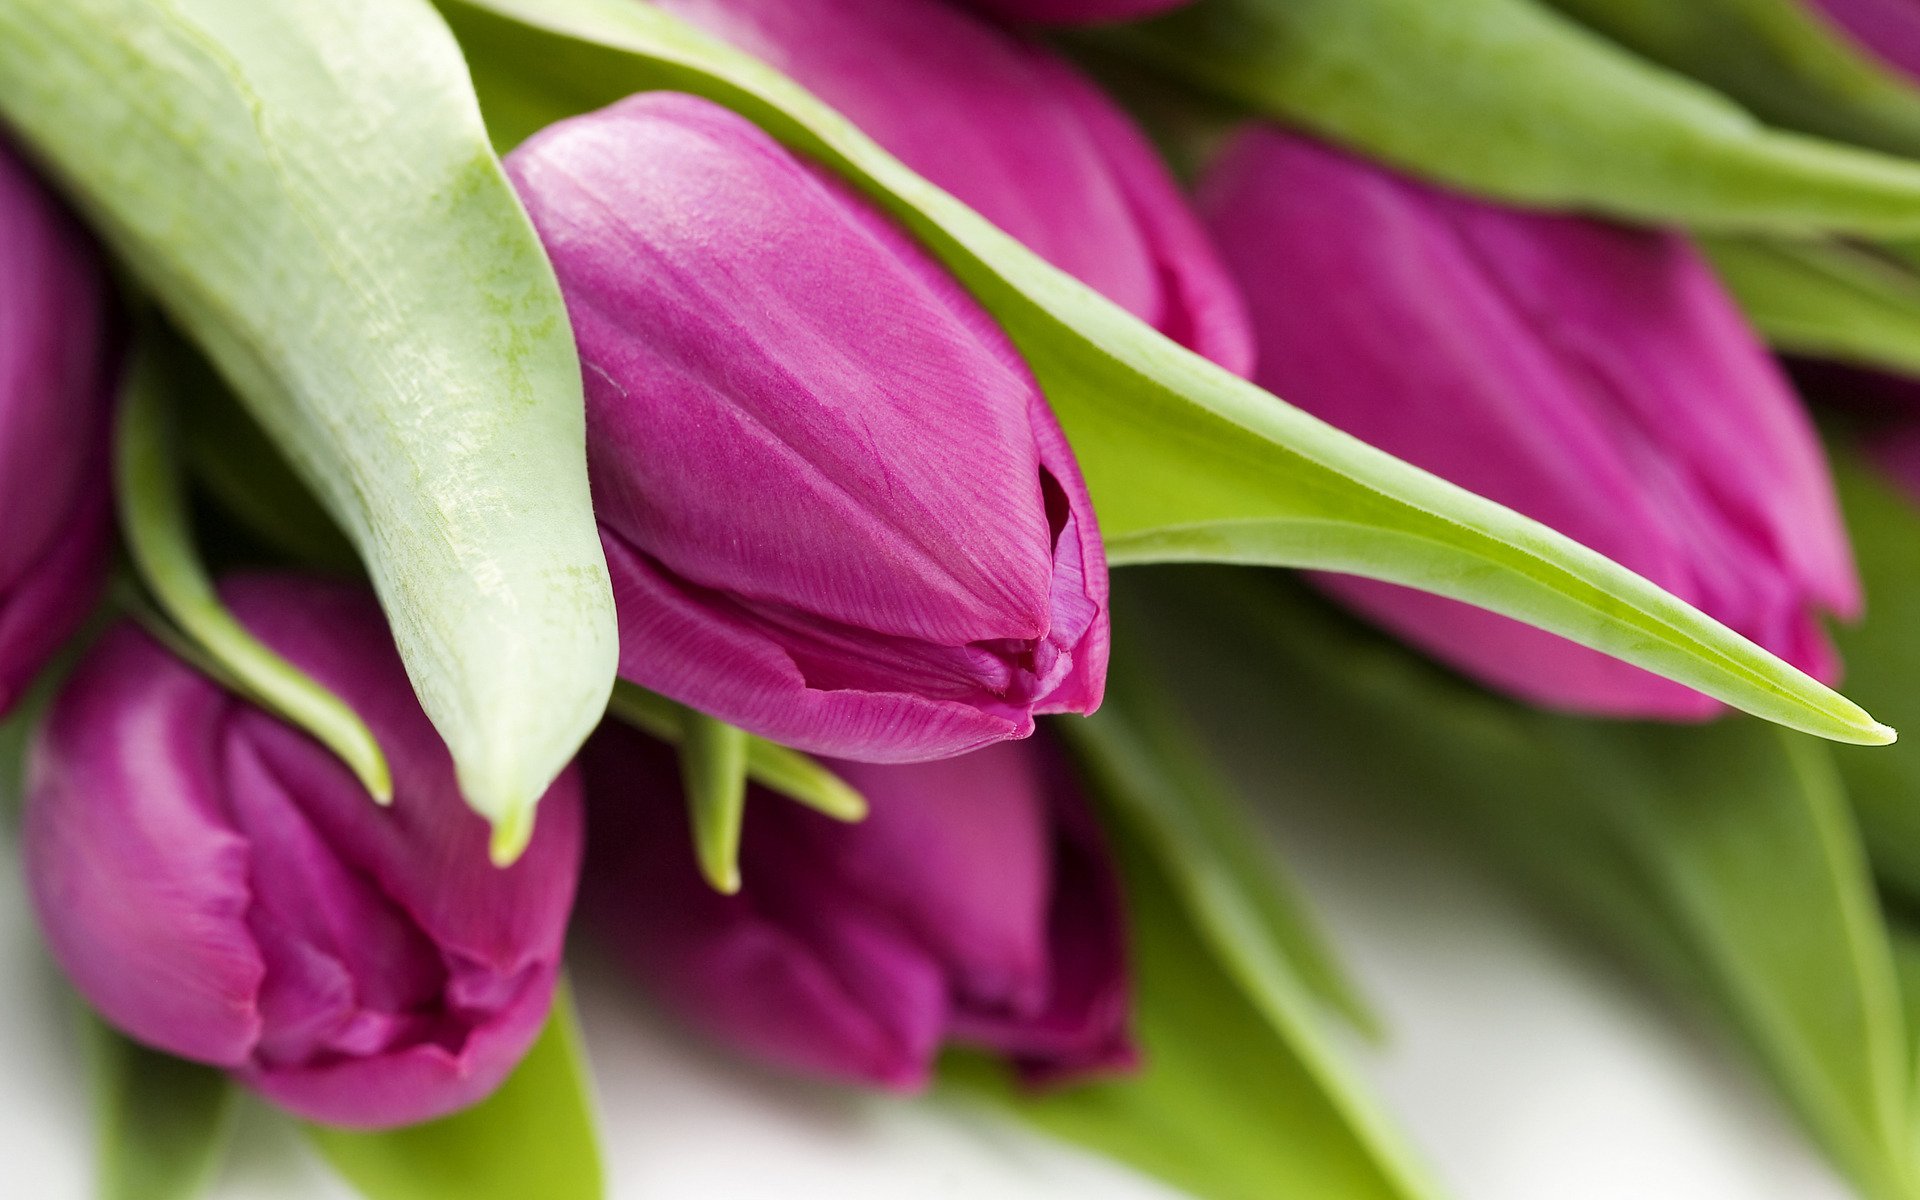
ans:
(1524, 1068)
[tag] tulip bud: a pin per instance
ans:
(1887, 29)
(57, 362)
(1591, 376)
(836, 507)
(1016, 132)
(975, 904)
(219, 886)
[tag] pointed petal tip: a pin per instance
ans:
(722, 877)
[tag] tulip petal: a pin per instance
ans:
(143, 889)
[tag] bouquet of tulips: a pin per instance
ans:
(736, 479)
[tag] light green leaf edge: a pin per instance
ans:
(1781, 59)
(713, 772)
(1720, 858)
(1824, 299)
(1223, 1105)
(535, 1137)
(160, 1123)
(797, 776)
(308, 191)
(158, 531)
(1184, 460)
(1514, 101)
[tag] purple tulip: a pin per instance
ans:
(836, 507)
(1888, 29)
(57, 366)
(975, 904)
(1075, 12)
(220, 887)
(1594, 377)
(1012, 129)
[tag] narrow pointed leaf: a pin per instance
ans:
(1227, 1106)
(161, 1122)
(536, 1136)
(1185, 461)
(713, 770)
(793, 774)
(1512, 100)
(1783, 60)
(1824, 298)
(155, 522)
(308, 191)
(1721, 858)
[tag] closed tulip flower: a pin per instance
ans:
(974, 905)
(1591, 376)
(1016, 132)
(836, 507)
(57, 365)
(218, 886)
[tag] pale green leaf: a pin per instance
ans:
(308, 191)
(161, 1122)
(1185, 461)
(1824, 298)
(1227, 1105)
(1783, 60)
(713, 771)
(773, 766)
(157, 527)
(1721, 858)
(535, 1137)
(1512, 100)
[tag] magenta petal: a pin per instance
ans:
(139, 882)
(1888, 29)
(56, 366)
(836, 509)
(783, 972)
(1012, 129)
(1594, 377)
(960, 852)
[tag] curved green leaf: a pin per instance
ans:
(159, 536)
(794, 775)
(1721, 858)
(308, 191)
(1781, 59)
(1227, 1105)
(1512, 100)
(1825, 299)
(161, 1122)
(713, 770)
(535, 1137)
(1185, 461)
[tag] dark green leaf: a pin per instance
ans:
(161, 1122)
(1227, 1106)
(1515, 101)
(1721, 858)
